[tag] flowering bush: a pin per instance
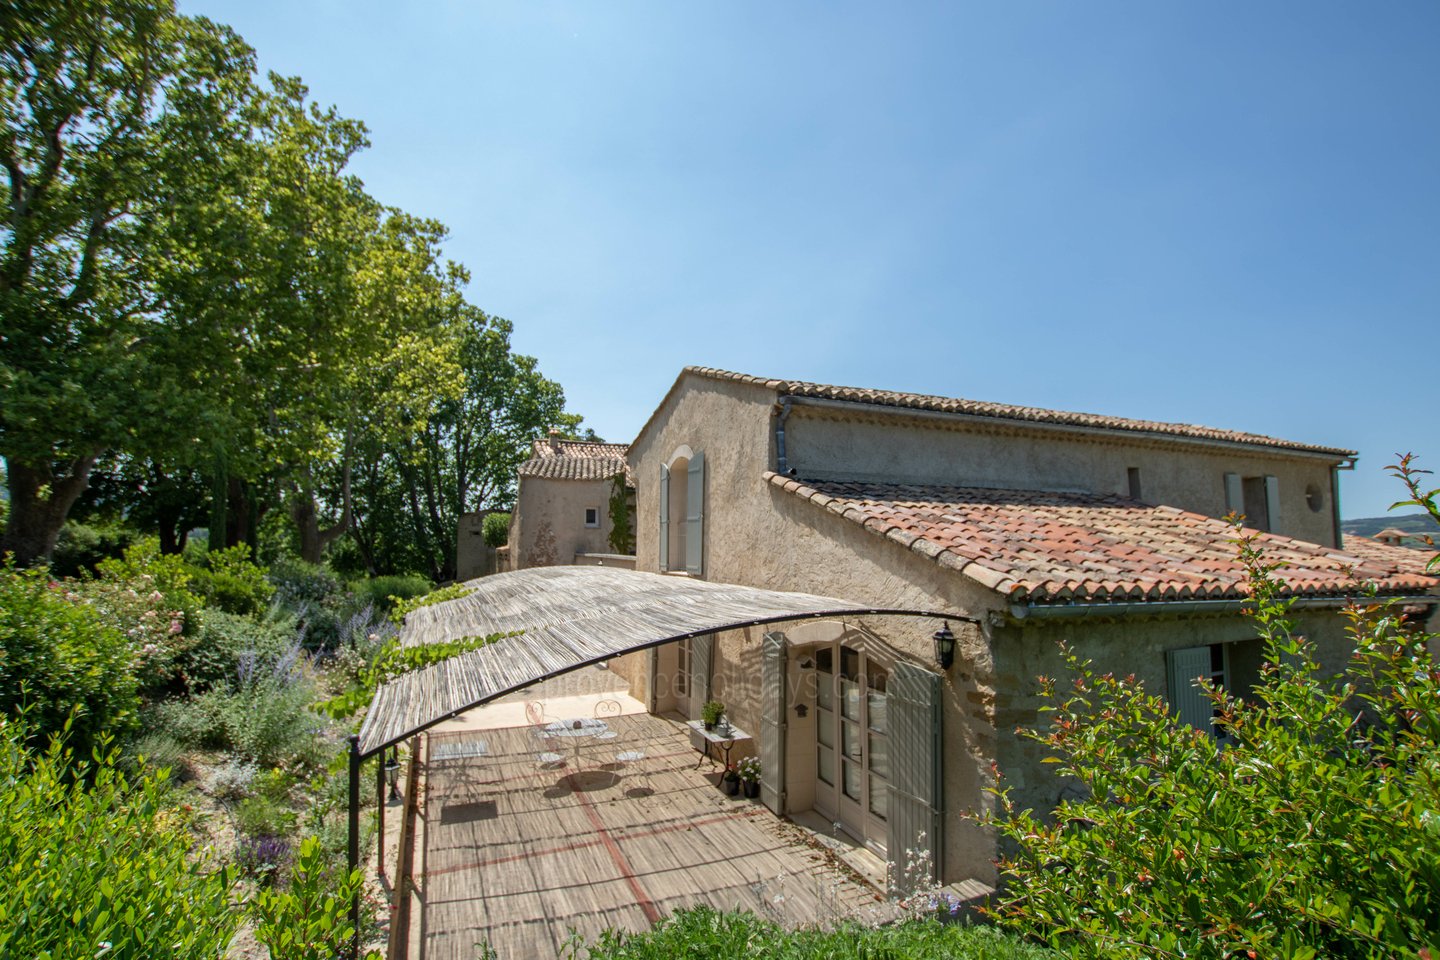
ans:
(155, 629)
(749, 769)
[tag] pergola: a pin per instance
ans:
(566, 618)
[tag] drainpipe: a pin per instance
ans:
(1335, 499)
(782, 463)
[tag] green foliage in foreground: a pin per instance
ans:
(404, 605)
(706, 933)
(1315, 832)
(310, 919)
(93, 863)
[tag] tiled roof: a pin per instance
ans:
(1003, 411)
(1048, 547)
(577, 460)
(1401, 558)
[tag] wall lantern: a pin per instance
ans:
(392, 775)
(944, 646)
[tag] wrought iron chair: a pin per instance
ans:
(549, 758)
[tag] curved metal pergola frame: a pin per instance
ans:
(563, 619)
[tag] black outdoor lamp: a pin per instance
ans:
(944, 646)
(392, 774)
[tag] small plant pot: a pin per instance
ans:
(709, 726)
(731, 787)
(751, 788)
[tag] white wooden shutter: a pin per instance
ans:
(1186, 697)
(695, 516)
(664, 518)
(1272, 504)
(1234, 493)
(772, 721)
(913, 704)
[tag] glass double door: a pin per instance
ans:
(852, 743)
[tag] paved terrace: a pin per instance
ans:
(520, 854)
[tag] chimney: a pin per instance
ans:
(554, 440)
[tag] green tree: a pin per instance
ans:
(91, 96)
(465, 457)
(1314, 832)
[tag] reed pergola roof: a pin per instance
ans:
(571, 617)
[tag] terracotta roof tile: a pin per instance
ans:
(1003, 411)
(1046, 547)
(1407, 559)
(577, 460)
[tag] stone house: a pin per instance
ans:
(1030, 526)
(562, 512)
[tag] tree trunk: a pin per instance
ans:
(239, 514)
(36, 519)
(306, 515)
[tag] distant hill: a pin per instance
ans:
(1416, 523)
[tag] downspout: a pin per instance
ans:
(1335, 499)
(782, 463)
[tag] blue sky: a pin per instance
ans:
(1218, 213)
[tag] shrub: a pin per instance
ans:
(62, 662)
(228, 580)
(262, 858)
(260, 816)
(224, 637)
(81, 548)
(1312, 834)
(262, 713)
(310, 919)
(93, 862)
(232, 780)
(703, 932)
(383, 592)
(158, 751)
(495, 528)
(298, 583)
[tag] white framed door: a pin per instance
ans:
(852, 743)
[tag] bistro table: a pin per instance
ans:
(724, 736)
(577, 731)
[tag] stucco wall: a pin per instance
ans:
(547, 526)
(822, 443)
(1138, 647)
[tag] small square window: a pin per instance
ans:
(592, 516)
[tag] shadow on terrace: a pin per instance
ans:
(524, 840)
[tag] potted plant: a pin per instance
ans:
(730, 783)
(711, 713)
(749, 772)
